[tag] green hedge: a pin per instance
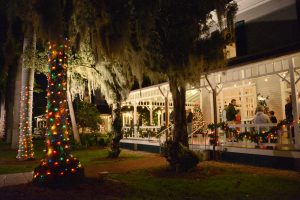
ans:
(90, 140)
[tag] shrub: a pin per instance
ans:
(88, 140)
(77, 146)
(87, 116)
(179, 157)
(104, 140)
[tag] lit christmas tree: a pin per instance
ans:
(59, 166)
(198, 121)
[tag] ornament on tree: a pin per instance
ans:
(58, 166)
(198, 120)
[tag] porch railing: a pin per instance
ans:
(162, 135)
(142, 132)
(284, 139)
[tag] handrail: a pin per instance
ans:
(252, 125)
(160, 133)
(190, 135)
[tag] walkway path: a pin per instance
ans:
(15, 179)
(123, 166)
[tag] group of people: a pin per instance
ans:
(230, 114)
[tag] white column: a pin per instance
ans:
(123, 119)
(158, 118)
(135, 119)
(211, 106)
(283, 96)
(151, 114)
(294, 100)
(200, 100)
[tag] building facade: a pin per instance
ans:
(264, 63)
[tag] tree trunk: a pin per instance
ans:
(180, 126)
(117, 130)
(167, 114)
(25, 151)
(73, 120)
(9, 99)
(16, 104)
(30, 84)
(2, 116)
(59, 165)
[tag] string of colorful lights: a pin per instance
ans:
(59, 165)
(25, 151)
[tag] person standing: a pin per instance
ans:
(272, 117)
(224, 118)
(289, 117)
(261, 118)
(231, 112)
(189, 121)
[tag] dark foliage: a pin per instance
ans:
(87, 116)
(179, 157)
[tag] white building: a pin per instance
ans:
(264, 60)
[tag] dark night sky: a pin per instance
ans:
(39, 99)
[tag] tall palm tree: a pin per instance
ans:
(12, 66)
(25, 150)
(25, 12)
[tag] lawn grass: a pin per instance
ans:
(225, 184)
(208, 182)
(9, 164)
(211, 180)
(98, 156)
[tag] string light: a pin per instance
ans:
(58, 164)
(25, 151)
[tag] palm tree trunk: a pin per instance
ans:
(9, 99)
(180, 126)
(16, 101)
(73, 120)
(30, 85)
(25, 151)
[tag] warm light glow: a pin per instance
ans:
(58, 160)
